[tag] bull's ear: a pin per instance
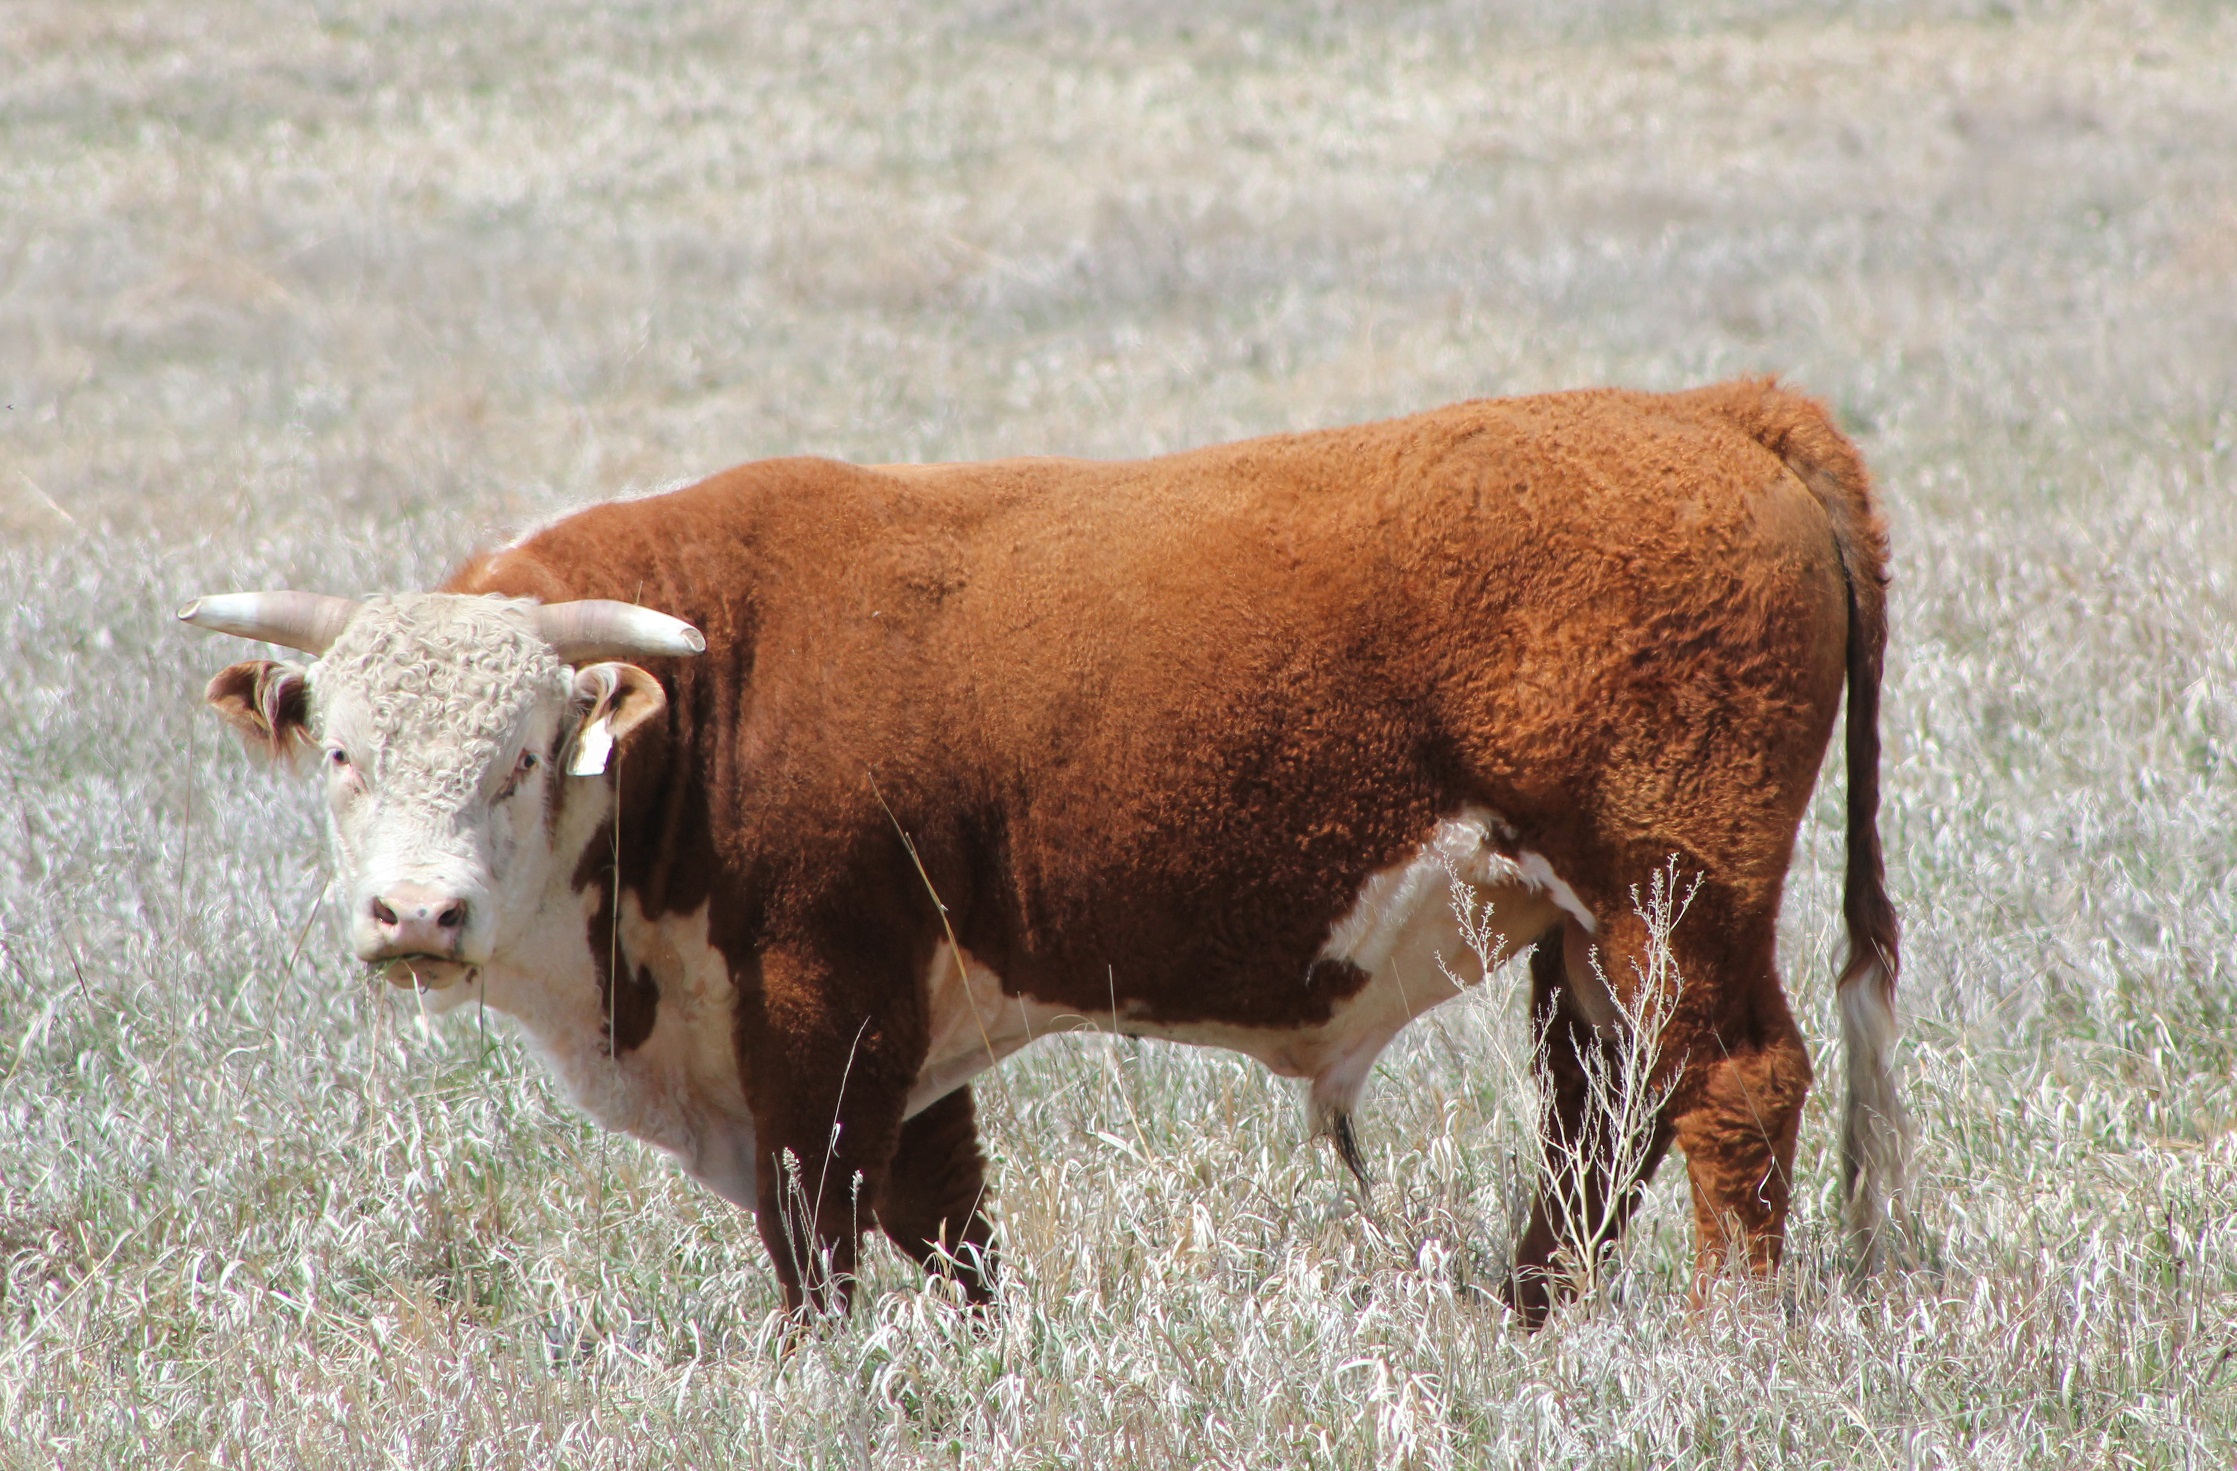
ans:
(267, 703)
(614, 699)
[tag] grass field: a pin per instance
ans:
(323, 294)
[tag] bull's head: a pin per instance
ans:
(442, 725)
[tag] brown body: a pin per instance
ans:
(1149, 727)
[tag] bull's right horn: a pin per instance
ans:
(591, 629)
(308, 621)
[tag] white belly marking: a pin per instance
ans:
(975, 1025)
(1401, 930)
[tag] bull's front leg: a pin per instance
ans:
(830, 1078)
(933, 1204)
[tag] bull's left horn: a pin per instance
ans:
(597, 628)
(308, 621)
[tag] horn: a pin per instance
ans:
(308, 621)
(598, 628)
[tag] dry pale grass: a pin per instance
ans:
(323, 293)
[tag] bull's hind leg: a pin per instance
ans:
(1738, 1107)
(930, 1206)
(1591, 1175)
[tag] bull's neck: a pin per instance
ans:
(555, 972)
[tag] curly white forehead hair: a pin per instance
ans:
(440, 680)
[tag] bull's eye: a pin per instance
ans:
(528, 762)
(347, 778)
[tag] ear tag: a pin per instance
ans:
(592, 747)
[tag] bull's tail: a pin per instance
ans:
(1875, 1127)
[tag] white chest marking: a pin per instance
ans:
(1401, 930)
(680, 1088)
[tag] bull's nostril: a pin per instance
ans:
(382, 914)
(453, 917)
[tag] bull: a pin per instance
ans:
(777, 808)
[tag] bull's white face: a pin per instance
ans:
(463, 769)
(437, 724)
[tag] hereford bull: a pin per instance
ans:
(918, 762)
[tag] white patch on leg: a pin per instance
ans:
(1376, 927)
(1539, 875)
(1402, 932)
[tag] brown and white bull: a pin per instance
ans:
(919, 762)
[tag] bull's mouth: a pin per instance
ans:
(423, 972)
